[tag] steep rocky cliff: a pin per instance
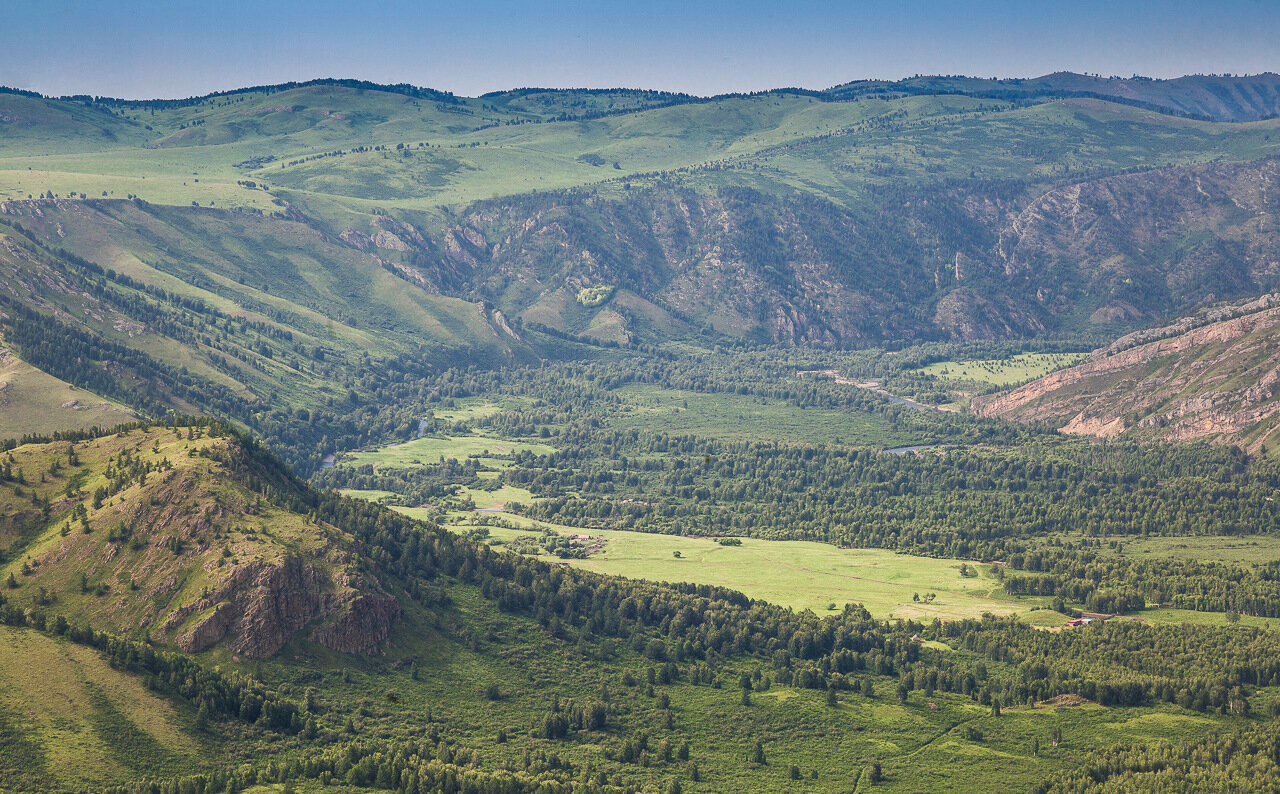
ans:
(1215, 376)
(966, 260)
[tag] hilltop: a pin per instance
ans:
(164, 532)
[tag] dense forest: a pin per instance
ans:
(691, 634)
(985, 491)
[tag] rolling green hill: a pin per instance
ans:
(69, 719)
(1208, 97)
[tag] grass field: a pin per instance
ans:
(82, 721)
(32, 402)
(1203, 618)
(430, 449)
(797, 574)
(1002, 372)
(1243, 549)
(807, 575)
(467, 410)
(495, 500)
(369, 495)
(748, 418)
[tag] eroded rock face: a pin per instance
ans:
(262, 606)
(1215, 376)
(257, 609)
(966, 314)
(361, 626)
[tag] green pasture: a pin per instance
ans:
(468, 410)
(1203, 618)
(31, 402)
(1259, 549)
(1002, 372)
(749, 418)
(430, 449)
(797, 574)
(807, 575)
(370, 495)
(495, 500)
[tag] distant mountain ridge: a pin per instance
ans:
(1233, 98)
(284, 256)
(1205, 97)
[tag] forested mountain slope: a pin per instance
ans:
(261, 320)
(1212, 376)
(929, 211)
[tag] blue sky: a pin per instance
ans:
(181, 48)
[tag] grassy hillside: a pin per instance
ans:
(262, 320)
(35, 403)
(157, 533)
(71, 720)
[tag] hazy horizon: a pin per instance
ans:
(762, 89)
(154, 50)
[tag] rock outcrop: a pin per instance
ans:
(258, 608)
(1214, 376)
(261, 607)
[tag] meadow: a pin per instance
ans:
(739, 417)
(1002, 372)
(797, 574)
(36, 403)
(1225, 548)
(432, 449)
(1193, 618)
